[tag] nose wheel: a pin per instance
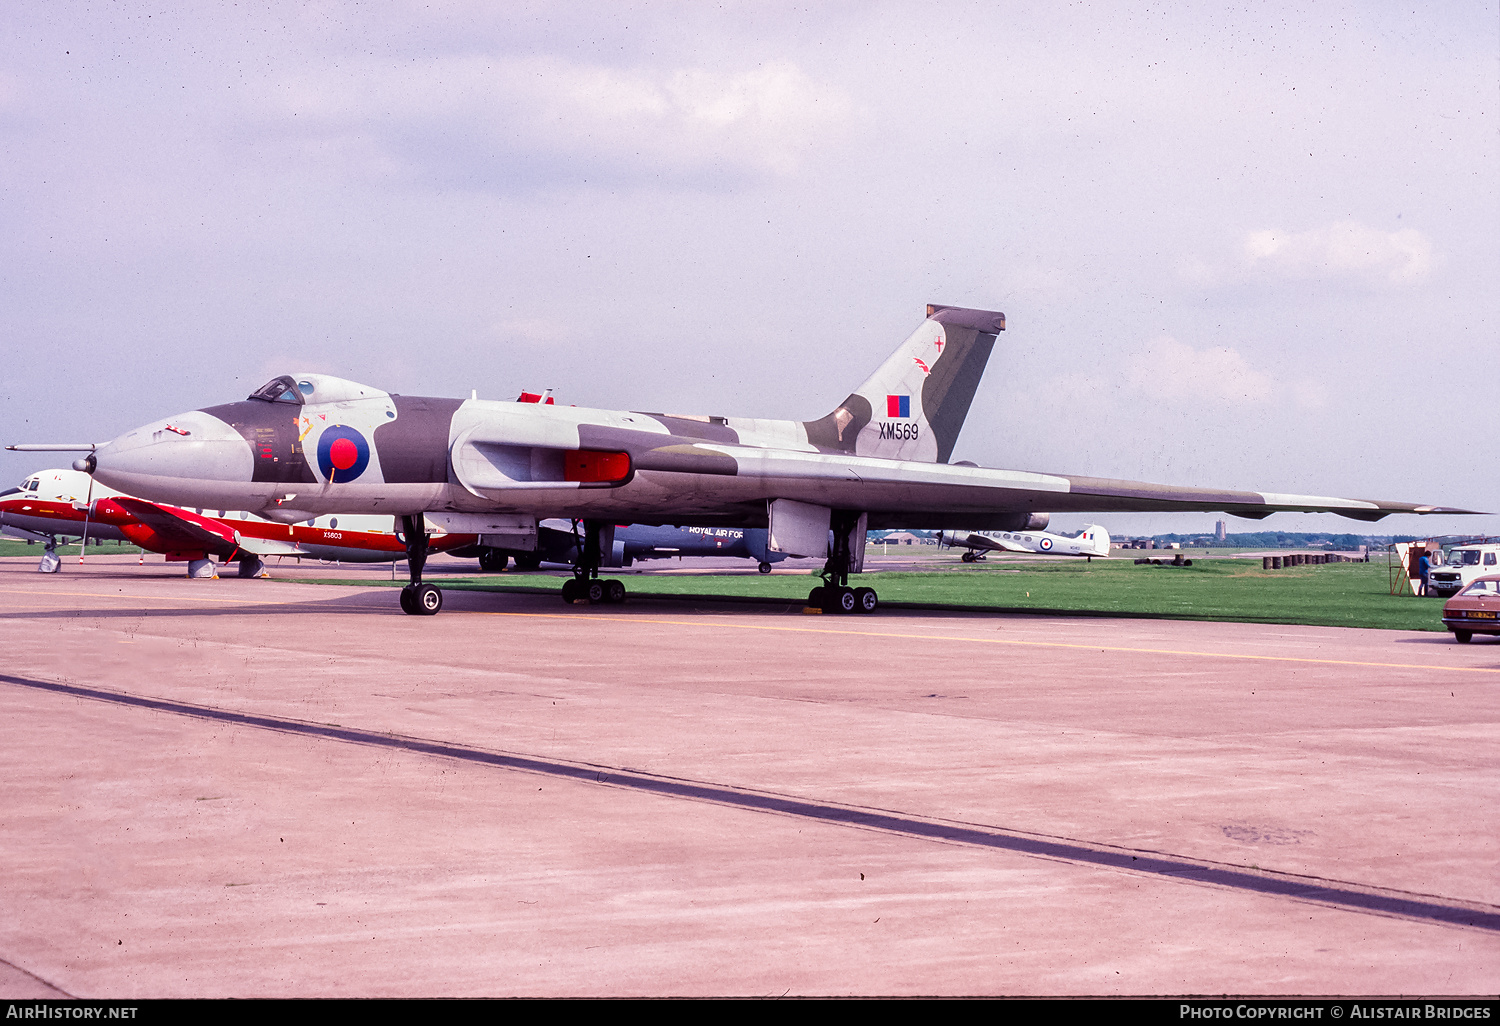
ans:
(51, 562)
(418, 599)
(421, 600)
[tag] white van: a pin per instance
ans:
(1465, 563)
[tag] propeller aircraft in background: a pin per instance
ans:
(1090, 542)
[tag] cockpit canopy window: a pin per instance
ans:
(279, 390)
(29, 485)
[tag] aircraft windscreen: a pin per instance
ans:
(279, 390)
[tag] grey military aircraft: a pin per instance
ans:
(308, 444)
(559, 541)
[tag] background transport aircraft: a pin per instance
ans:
(55, 504)
(308, 444)
(1091, 541)
(644, 542)
(558, 541)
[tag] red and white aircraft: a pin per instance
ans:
(57, 504)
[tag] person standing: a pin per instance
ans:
(1424, 565)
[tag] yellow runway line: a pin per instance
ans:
(149, 598)
(834, 631)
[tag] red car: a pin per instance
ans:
(1475, 610)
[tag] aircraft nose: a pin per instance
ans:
(194, 459)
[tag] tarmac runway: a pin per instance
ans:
(263, 788)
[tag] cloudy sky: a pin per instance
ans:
(1256, 247)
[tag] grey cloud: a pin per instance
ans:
(739, 209)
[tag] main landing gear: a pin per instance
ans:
(971, 557)
(418, 599)
(585, 585)
(834, 595)
(843, 599)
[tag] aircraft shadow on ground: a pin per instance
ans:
(498, 600)
(386, 600)
(464, 597)
(339, 604)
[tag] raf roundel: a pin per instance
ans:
(1046, 543)
(343, 454)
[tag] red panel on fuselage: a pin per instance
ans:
(586, 466)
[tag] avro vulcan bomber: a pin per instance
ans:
(305, 445)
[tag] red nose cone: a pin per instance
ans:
(342, 454)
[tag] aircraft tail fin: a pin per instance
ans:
(914, 405)
(1097, 539)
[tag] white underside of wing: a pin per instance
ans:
(782, 463)
(1313, 503)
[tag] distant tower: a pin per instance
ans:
(1220, 533)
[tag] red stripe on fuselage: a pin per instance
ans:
(158, 527)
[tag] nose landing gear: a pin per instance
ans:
(418, 599)
(51, 562)
(252, 566)
(421, 599)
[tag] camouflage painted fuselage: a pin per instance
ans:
(311, 444)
